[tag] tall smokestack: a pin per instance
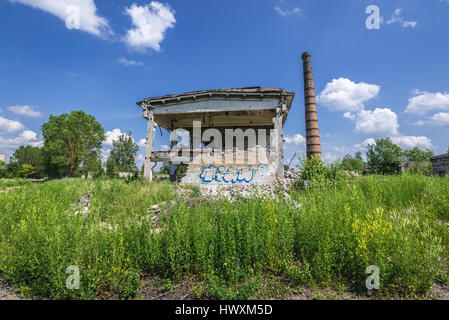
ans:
(312, 131)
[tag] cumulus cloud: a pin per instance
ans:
(130, 63)
(424, 101)
(142, 142)
(397, 18)
(112, 136)
(382, 121)
(349, 115)
(365, 143)
(25, 111)
(345, 95)
(412, 141)
(441, 119)
(89, 20)
(7, 125)
(297, 139)
(150, 23)
(27, 137)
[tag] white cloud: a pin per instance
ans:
(328, 157)
(150, 24)
(345, 95)
(365, 143)
(424, 102)
(165, 147)
(27, 137)
(7, 125)
(89, 20)
(112, 136)
(25, 111)
(412, 141)
(441, 119)
(382, 121)
(285, 13)
(407, 24)
(130, 63)
(349, 115)
(397, 17)
(142, 143)
(297, 139)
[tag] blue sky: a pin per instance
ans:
(371, 83)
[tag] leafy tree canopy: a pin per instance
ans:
(123, 155)
(417, 154)
(385, 156)
(355, 163)
(68, 141)
(31, 156)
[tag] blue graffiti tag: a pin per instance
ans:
(231, 175)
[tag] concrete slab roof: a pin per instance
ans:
(234, 92)
(253, 106)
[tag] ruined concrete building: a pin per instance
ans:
(235, 135)
(2, 157)
(440, 164)
(228, 135)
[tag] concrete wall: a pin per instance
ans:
(404, 166)
(213, 173)
(440, 164)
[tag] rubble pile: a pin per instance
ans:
(236, 191)
(82, 205)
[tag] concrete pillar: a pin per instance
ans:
(278, 146)
(173, 167)
(149, 165)
(312, 130)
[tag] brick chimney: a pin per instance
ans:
(312, 131)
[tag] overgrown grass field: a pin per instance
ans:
(397, 223)
(10, 183)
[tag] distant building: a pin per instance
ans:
(404, 166)
(440, 164)
(125, 174)
(2, 157)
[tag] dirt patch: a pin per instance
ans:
(7, 293)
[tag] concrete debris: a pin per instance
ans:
(82, 205)
(237, 191)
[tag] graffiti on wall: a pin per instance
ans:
(223, 174)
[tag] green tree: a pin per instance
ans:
(2, 169)
(165, 168)
(417, 154)
(355, 163)
(385, 156)
(123, 155)
(26, 171)
(68, 141)
(31, 156)
(12, 169)
(91, 166)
